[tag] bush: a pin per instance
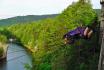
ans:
(1, 51)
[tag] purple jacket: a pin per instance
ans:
(78, 31)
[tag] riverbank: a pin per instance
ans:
(3, 50)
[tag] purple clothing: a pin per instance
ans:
(75, 34)
(78, 30)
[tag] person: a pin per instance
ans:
(79, 32)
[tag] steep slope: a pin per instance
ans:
(44, 39)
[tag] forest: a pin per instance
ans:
(44, 40)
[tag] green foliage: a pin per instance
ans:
(3, 39)
(1, 51)
(98, 11)
(77, 14)
(24, 19)
(27, 67)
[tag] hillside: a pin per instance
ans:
(44, 39)
(30, 18)
(98, 11)
(24, 19)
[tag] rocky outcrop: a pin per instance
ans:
(4, 48)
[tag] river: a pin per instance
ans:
(17, 57)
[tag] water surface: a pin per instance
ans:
(17, 57)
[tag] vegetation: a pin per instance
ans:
(1, 51)
(44, 39)
(29, 18)
(98, 11)
(24, 19)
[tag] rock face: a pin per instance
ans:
(3, 53)
(101, 58)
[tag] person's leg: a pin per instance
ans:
(65, 40)
(90, 33)
(86, 31)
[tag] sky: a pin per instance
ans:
(11, 8)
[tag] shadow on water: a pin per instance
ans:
(17, 57)
(3, 65)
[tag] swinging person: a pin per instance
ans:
(79, 32)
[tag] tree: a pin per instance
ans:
(85, 1)
(82, 1)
